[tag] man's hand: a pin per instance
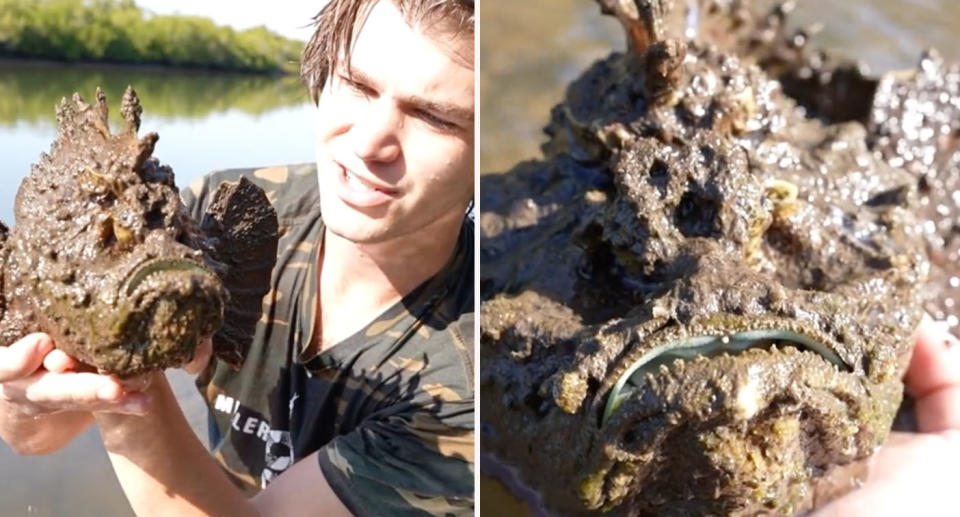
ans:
(45, 402)
(41, 380)
(916, 473)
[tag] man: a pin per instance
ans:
(357, 396)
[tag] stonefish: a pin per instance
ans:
(105, 259)
(700, 300)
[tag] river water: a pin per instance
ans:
(530, 51)
(205, 122)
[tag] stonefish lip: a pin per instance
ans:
(710, 345)
(149, 269)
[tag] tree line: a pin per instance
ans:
(118, 31)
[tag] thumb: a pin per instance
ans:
(24, 357)
(933, 377)
(201, 356)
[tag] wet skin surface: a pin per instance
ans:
(699, 301)
(104, 258)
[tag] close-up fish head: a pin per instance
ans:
(700, 301)
(102, 255)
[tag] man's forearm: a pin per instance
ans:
(40, 434)
(162, 467)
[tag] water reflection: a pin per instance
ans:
(28, 91)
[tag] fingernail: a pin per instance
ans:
(108, 392)
(38, 343)
(137, 405)
(134, 408)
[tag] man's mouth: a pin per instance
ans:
(356, 190)
(359, 183)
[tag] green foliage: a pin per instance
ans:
(117, 31)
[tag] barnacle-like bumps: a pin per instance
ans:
(700, 301)
(105, 258)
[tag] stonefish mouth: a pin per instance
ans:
(141, 274)
(691, 347)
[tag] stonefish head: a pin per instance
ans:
(700, 301)
(103, 255)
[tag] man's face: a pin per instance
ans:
(395, 140)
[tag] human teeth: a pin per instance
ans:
(356, 182)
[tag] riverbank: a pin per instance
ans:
(118, 32)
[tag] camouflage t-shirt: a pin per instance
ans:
(390, 409)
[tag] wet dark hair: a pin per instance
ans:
(336, 22)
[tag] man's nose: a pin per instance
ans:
(375, 135)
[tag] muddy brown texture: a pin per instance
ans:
(700, 301)
(104, 258)
(830, 87)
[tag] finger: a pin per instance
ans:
(48, 392)
(933, 378)
(58, 361)
(201, 356)
(136, 383)
(81, 391)
(23, 357)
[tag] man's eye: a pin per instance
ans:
(436, 121)
(357, 87)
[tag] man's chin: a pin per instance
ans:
(353, 220)
(361, 235)
(357, 227)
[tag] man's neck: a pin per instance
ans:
(357, 282)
